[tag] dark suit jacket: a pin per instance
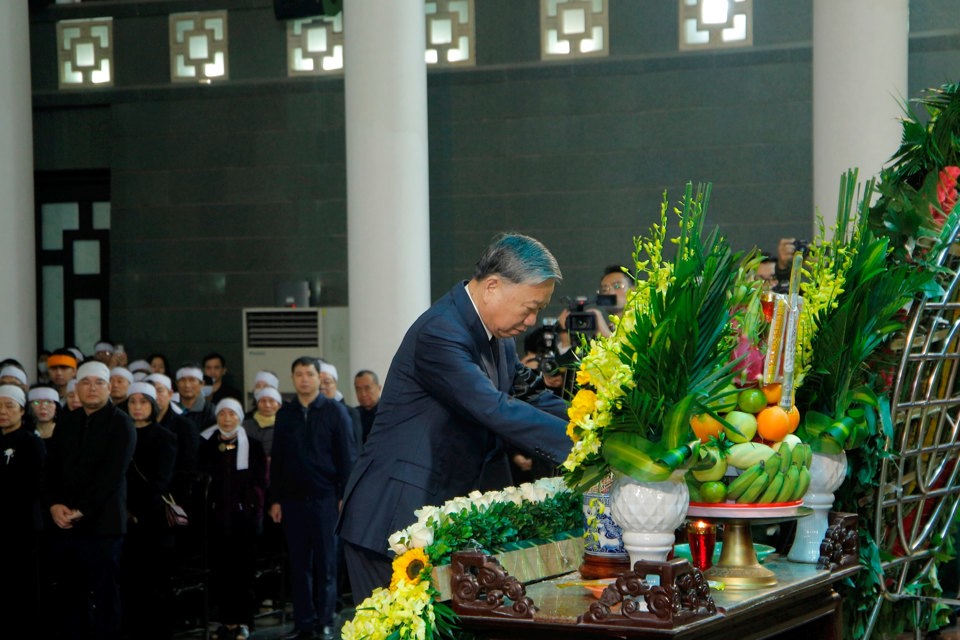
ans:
(87, 466)
(444, 410)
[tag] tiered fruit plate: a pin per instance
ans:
(738, 510)
(738, 567)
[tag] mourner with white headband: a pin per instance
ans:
(21, 467)
(148, 548)
(86, 493)
(259, 425)
(238, 472)
(195, 406)
(14, 375)
(44, 402)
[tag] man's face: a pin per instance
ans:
(306, 380)
(368, 391)
(163, 397)
(118, 388)
(93, 393)
(214, 369)
(765, 273)
(189, 387)
(103, 356)
(510, 309)
(616, 284)
(11, 413)
(328, 384)
(61, 375)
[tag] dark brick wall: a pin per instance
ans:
(219, 192)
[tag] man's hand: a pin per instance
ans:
(63, 516)
(523, 462)
(275, 513)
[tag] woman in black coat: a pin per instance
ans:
(148, 546)
(238, 478)
(22, 455)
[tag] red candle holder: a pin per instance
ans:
(702, 538)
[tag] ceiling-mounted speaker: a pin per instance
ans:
(291, 9)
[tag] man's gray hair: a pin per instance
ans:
(519, 259)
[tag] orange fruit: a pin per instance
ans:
(794, 415)
(773, 392)
(773, 423)
(705, 425)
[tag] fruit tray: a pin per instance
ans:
(744, 510)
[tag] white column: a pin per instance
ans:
(388, 208)
(18, 313)
(860, 50)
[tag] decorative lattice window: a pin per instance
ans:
(715, 24)
(85, 53)
(198, 46)
(573, 28)
(315, 45)
(451, 33)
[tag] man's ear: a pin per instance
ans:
(491, 284)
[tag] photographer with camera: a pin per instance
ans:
(786, 248)
(588, 321)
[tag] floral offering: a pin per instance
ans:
(409, 608)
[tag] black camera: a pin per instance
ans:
(801, 246)
(584, 322)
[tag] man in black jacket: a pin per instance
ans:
(85, 491)
(313, 453)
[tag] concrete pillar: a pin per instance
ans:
(18, 290)
(388, 204)
(860, 50)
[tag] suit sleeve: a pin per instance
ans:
(448, 367)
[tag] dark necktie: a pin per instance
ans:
(495, 348)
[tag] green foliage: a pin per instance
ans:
(841, 381)
(505, 522)
(675, 341)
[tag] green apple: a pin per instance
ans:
(745, 426)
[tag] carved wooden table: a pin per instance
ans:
(803, 604)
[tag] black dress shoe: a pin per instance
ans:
(326, 632)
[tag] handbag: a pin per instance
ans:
(176, 516)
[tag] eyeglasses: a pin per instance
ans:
(607, 289)
(42, 403)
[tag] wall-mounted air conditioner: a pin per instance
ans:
(274, 337)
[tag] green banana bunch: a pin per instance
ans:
(739, 484)
(752, 492)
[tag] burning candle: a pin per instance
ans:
(702, 538)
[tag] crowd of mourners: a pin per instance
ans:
(94, 452)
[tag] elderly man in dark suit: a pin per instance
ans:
(446, 408)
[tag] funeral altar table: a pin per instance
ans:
(802, 604)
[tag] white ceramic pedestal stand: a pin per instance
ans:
(827, 472)
(649, 513)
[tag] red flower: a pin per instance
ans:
(946, 194)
